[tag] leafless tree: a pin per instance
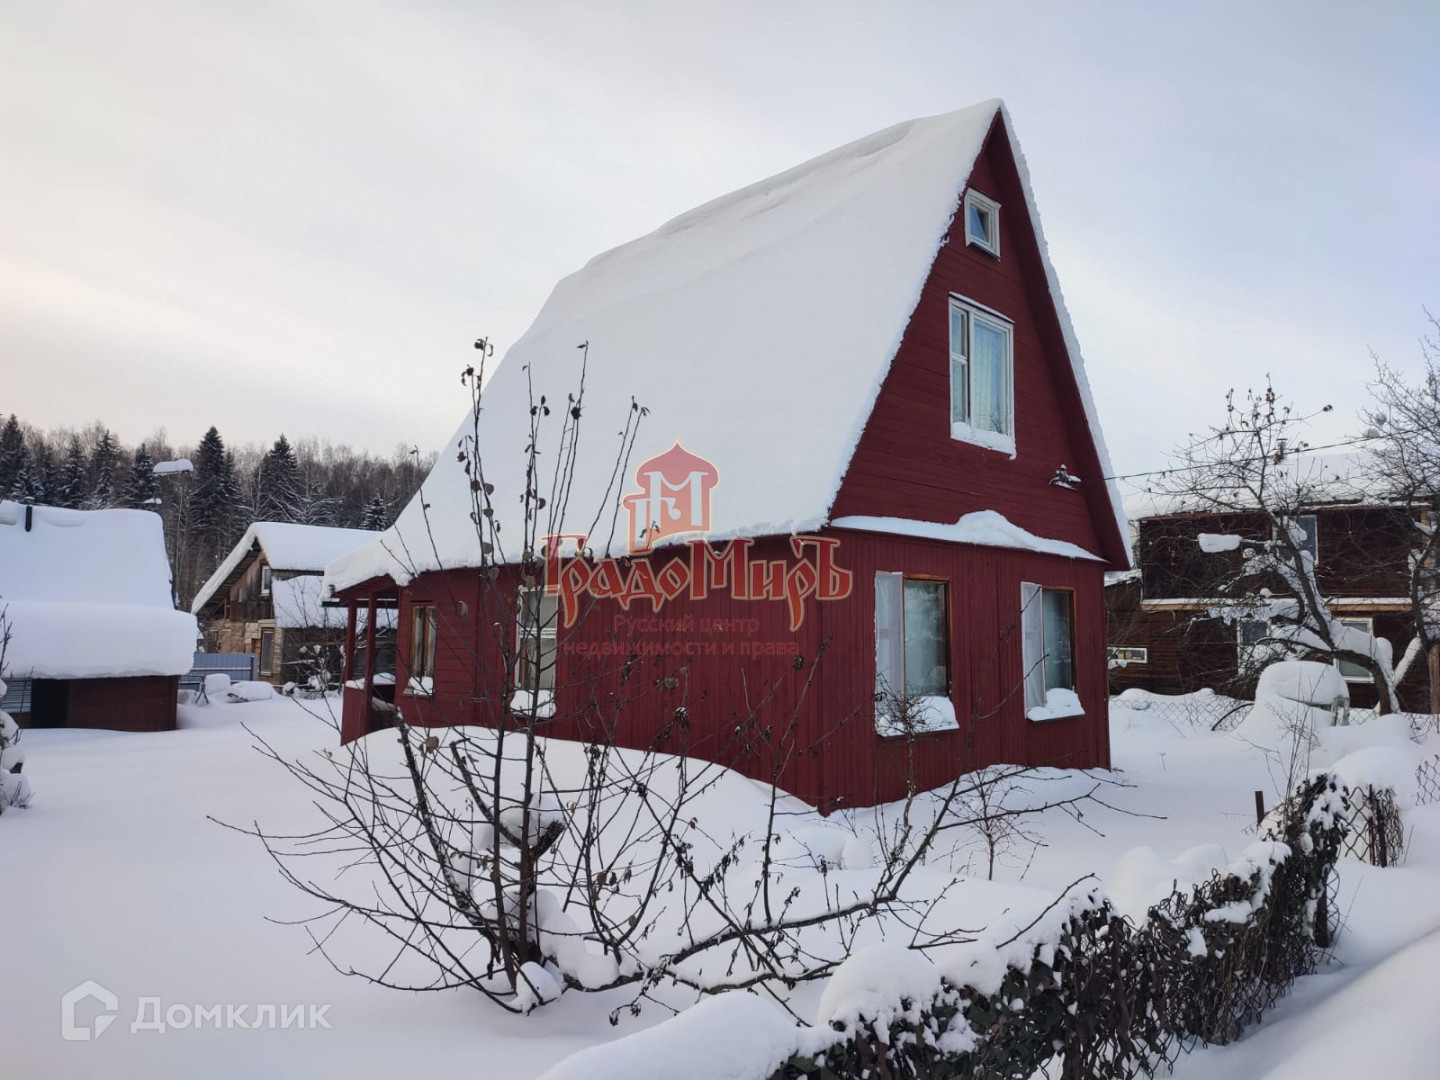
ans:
(1403, 430)
(1255, 464)
(495, 858)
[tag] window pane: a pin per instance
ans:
(1253, 631)
(1059, 652)
(1348, 668)
(430, 635)
(979, 224)
(927, 663)
(989, 377)
(889, 648)
(959, 392)
(1032, 634)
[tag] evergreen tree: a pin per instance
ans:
(211, 510)
(72, 489)
(143, 491)
(232, 496)
(102, 471)
(279, 482)
(377, 514)
(29, 482)
(13, 455)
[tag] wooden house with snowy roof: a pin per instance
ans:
(264, 598)
(94, 639)
(838, 512)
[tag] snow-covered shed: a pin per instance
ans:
(94, 637)
(862, 366)
(264, 598)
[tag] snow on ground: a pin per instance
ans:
(117, 874)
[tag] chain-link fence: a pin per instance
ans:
(1374, 832)
(1427, 781)
(1216, 712)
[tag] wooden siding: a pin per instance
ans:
(139, 703)
(907, 465)
(755, 712)
(1363, 551)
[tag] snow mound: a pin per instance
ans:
(878, 984)
(730, 1036)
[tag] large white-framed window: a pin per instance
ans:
(535, 650)
(265, 580)
(982, 377)
(1349, 670)
(912, 654)
(982, 222)
(424, 625)
(1047, 632)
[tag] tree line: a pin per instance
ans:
(310, 482)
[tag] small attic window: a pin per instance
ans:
(982, 222)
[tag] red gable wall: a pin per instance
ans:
(907, 465)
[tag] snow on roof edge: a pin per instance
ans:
(256, 534)
(1072, 343)
(985, 528)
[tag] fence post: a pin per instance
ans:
(1259, 809)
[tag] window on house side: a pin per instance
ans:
(535, 641)
(265, 579)
(912, 649)
(981, 377)
(267, 652)
(423, 627)
(1047, 625)
(1306, 523)
(982, 222)
(1349, 670)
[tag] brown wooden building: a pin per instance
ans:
(1161, 639)
(868, 360)
(94, 637)
(264, 598)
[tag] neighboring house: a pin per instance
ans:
(1160, 632)
(94, 637)
(878, 391)
(264, 598)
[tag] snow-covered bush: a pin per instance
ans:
(14, 784)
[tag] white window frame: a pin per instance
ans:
(1355, 622)
(986, 205)
(526, 634)
(421, 680)
(266, 577)
(1034, 648)
(933, 712)
(1137, 654)
(962, 428)
(267, 633)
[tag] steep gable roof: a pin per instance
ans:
(756, 329)
(86, 594)
(305, 549)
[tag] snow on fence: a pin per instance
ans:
(241, 667)
(1080, 992)
(1204, 708)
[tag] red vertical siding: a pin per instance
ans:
(906, 463)
(751, 708)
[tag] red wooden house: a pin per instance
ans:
(867, 436)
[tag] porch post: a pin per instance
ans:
(369, 659)
(347, 666)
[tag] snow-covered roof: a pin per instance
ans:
(287, 548)
(86, 594)
(756, 329)
(1324, 479)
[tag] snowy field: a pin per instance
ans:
(117, 874)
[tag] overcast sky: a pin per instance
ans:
(298, 216)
